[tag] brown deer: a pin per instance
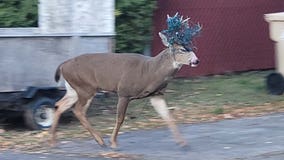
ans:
(131, 76)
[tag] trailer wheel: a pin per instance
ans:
(39, 113)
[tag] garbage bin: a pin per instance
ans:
(275, 81)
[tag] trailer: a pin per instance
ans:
(28, 61)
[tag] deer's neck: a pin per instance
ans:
(164, 63)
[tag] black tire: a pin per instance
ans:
(275, 83)
(39, 113)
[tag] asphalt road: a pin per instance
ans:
(258, 138)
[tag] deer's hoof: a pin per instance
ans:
(103, 145)
(52, 143)
(113, 145)
(183, 144)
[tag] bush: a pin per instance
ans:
(133, 24)
(18, 13)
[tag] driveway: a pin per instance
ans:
(257, 138)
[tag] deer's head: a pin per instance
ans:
(178, 38)
(181, 54)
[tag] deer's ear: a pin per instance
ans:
(164, 39)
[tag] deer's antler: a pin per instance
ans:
(180, 31)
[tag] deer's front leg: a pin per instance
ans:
(121, 110)
(160, 105)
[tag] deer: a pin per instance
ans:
(131, 76)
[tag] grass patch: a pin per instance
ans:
(218, 110)
(245, 89)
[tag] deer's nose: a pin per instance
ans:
(197, 61)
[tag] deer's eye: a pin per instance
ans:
(183, 50)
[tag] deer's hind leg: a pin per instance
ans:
(80, 110)
(62, 105)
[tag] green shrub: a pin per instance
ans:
(133, 24)
(18, 13)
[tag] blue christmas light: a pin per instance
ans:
(180, 32)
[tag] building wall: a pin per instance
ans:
(235, 35)
(77, 16)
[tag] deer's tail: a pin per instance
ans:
(57, 73)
